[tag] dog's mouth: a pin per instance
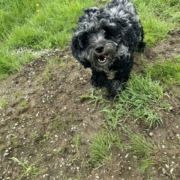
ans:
(103, 58)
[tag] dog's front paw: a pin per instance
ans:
(100, 82)
(115, 88)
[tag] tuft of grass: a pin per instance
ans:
(168, 72)
(47, 136)
(76, 142)
(3, 103)
(95, 97)
(18, 95)
(137, 101)
(28, 170)
(144, 150)
(23, 104)
(114, 117)
(100, 147)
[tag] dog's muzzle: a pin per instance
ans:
(103, 55)
(100, 55)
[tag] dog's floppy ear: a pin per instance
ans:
(77, 49)
(82, 38)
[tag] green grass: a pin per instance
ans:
(141, 100)
(11, 62)
(143, 149)
(158, 17)
(3, 103)
(48, 24)
(167, 72)
(28, 170)
(50, 27)
(23, 26)
(95, 97)
(100, 147)
(76, 142)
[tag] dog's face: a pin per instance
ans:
(97, 45)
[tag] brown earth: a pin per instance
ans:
(43, 114)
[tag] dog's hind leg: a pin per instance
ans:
(141, 45)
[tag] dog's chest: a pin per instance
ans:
(111, 74)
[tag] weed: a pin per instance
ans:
(27, 169)
(14, 140)
(150, 116)
(57, 124)
(60, 123)
(23, 104)
(3, 103)
(47, 135)
(76, 141)
(18, 95)
(59, 150)
(47, 75)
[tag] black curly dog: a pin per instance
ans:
(105, 41)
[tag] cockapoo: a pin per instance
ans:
(105, 41)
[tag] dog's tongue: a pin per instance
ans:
(106, 55)
(103, 58)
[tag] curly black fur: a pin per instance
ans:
(105, 41)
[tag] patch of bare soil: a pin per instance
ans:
(167, 49)
(46, 126)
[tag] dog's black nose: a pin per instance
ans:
(99, 48)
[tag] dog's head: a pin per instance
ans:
(95, 43)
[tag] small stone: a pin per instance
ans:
(171, 171)
(151, 134)
(127, 155)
